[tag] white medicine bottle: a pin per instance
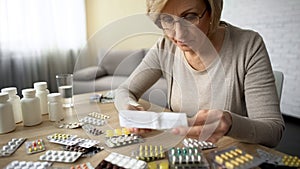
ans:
(7, 121)
(55, 107)
(41, 93)
(31, 109)
(15, 100)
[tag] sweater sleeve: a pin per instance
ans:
(141, 79)
(264, 124)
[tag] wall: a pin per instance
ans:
(278, 21)
(105, 13)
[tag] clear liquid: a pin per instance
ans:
(66, 93)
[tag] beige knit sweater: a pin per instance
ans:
(251, 96)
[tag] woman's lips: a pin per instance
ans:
(180, 42)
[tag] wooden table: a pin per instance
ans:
(82, 108)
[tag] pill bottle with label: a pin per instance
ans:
(7, 121)
(15, 100)
(55, 107)
(41, 93)
(31, 108)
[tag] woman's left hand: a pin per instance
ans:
(210, 125)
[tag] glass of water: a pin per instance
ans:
(65, 88)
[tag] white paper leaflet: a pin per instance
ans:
(152, 120)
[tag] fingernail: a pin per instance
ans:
(175, 131)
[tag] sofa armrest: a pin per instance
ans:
(89, 73)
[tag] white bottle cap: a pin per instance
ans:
(40, 85)
(54, 97)
(28, 92)
(10, 90)
(3, 97)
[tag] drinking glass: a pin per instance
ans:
(65, 88)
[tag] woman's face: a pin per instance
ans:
(178, 13)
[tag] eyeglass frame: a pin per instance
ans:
(158, 22)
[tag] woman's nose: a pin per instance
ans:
(179, 30)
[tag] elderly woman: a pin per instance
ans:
(218, 74)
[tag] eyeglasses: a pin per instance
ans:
(167, 22)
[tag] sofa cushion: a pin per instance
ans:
(89, 73)
(122, 63)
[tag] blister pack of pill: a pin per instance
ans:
(28, 164)
(86, 152)
(203, 145)
(70, 125)
(117, 132)
(98, 115)
(11, 146)
(187, 157)
(286, 160)
(123, 140)
(234, 157)
(35, 146)
(87, 165)
(86, 143)
(93, 121)
(158, 165)
(75, 148)
(60, 156)
(92, 130)
(115, 160)
(149, 153)
(63, 139)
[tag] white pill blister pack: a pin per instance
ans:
(123, 140)
(63, 139)
(86, 143)
(115, 160)
(203, 145)
(60, 156)
(99, 115)
(11, 146)
(28, 164)
(93, 121)
(92, 130)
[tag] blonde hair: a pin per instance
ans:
(214, 7)
(155, 6)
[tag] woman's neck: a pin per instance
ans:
(201, 60)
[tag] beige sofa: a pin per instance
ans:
(113, 69)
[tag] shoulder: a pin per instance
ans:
(243, 36)
(245, 43)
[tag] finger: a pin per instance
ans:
(140, 108)
(203, 131)
(198, 119)
(180, 131)
(215, 137)
(131, 130)
(205, 117)
(131, 107)
(141, 131)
